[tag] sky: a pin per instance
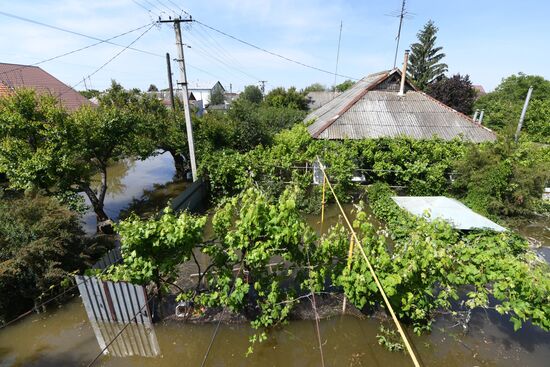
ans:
(486, 39)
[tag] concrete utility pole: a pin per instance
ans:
(522, 117)
(183, 83)
(263, 86)
(170, 85)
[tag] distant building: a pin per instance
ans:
(13, 76)
(479, 90)
(203, 91)
(374, 107)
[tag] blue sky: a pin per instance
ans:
(486, 39)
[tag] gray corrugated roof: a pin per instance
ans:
(365, 112)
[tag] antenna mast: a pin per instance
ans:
(337, 56)
(401, 16)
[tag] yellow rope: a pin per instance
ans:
(371, 269)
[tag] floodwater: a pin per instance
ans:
(64, 336)
(143, 186)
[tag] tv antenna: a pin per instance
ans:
(401, 14)
(337, 56)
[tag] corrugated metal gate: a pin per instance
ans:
(110, 307)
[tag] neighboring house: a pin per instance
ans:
(203, 91)
(13, 76)
(374, 108)
(318, 99)
(479, 90)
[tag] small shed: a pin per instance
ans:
(376, 107)
(450, 210)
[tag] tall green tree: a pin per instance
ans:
(217, 97)
(252, 93)
(345, 85)
(290, 98)
(424, 60)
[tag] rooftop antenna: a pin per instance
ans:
(402, 14)
(337, 56)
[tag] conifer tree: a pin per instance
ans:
(424, 60)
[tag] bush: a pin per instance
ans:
(41, 243)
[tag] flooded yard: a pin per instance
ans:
(63, 336)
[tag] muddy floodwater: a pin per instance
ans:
(140, 186)
(63, 336)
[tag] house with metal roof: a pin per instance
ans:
(386, 105)
(13, 76)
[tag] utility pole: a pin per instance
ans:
(170, 85)
(522, 117)
(183, 83)
(263, 86)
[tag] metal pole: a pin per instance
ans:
(520, 124)
(170, 85)
(183, 83)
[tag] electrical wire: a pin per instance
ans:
(74, 51)
(118, 334)
(110, 60)
(273, 53)
(219, 323)
(74, 32)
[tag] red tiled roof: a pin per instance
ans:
(13, 76)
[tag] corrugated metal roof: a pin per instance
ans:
(364, 111)
(15, 76)
(450, 210)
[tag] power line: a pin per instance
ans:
(74, 32)
(110, 60)
(273, 53)
(119, 333)
(74, 51)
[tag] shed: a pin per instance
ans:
(374, 108)
(450, 210)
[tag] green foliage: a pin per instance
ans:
(503, 179)
(315, 87)
(217, 97)
(41, 243)
(503, 107)
(432, 264)
(90, 93)
(252, 94)
(424, 60)
(345, 85)
(289, 98)
(151, 249)
(389, 339)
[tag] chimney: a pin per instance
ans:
(475, 115)
(480, 121)
(404, 74)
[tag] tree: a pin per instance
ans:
(42, 146)
(41, 243)
(291, 98)
(216, 96)
(315, 87)
(503, 106)
(456, 92)
(424, 61)
(344, 86)
(90, 93)
(152, 88)
(252, 93)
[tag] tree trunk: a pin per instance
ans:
(179, 163)
(96, 204)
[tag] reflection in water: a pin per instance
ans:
(64, 337)
(135, 339)
(129, 179)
